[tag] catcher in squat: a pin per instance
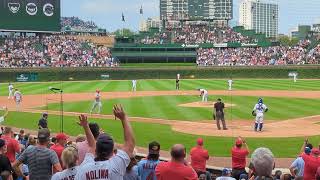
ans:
(258, 111)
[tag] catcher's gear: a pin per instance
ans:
(266, 110)
(254, 113)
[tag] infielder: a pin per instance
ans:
(4, 115)
(258, 111)
(178, 82)
(17, 98)
(97, 102)
(230, 82)
(134, 85)
(10, 88)
(204, 95)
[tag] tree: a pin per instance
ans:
(287, 41)
(123, 32)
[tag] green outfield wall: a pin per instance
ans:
(77, 74)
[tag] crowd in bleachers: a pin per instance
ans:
(53, 51)
(77, 24)
(96, 156)
(275, 55)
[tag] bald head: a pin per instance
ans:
(178, 152)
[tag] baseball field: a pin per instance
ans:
(159, 112)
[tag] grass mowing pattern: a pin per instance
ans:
(145, 133)
(166, 107)
(160, 85)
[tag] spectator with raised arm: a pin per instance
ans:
(70, 155)
(239, 153)
(105, 164)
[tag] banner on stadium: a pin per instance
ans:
(105, 76)
(27, 77)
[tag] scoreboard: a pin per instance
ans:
(30, 15)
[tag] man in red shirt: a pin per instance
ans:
(239, 153)
(311, 162)
(177, 168)
(13, 146)
(60, 145)
(199, 157)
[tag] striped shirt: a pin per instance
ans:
(40, 161)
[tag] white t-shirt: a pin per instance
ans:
(18, 96)
(10, 87)
(67, 174)
(112, 169)
(259, 108)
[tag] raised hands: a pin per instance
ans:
(119, 112)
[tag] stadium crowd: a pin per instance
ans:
(96, 156)
(76, 24)
(53, 51)
(275, 55)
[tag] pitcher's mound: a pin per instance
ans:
(204, 104)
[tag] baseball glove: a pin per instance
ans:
(254, 113)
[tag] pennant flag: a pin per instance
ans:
(141, 10)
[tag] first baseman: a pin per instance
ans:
(10, 88)
(97, 102)
(17, 98)
(258, 110)
(204, 95)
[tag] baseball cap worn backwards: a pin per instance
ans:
(154, 148)
(104, 143)
(43, 134)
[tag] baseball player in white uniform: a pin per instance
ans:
(258, 110)
(97, 102)
(10, 88)
(4, 115)
(204, 94)
(17, 98)
(134, 85)
(295, 77)
(230, 82)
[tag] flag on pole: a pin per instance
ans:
(123, 18)
(141, 10)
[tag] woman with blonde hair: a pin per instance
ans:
(69, 159)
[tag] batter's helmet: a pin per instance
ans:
(260, 100)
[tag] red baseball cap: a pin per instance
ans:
(239, 142)
(200, 141)
(61, 136)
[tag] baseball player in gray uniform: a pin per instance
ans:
(258, 110)
(97, 102)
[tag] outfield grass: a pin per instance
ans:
(166, 107)
(145, 133)
(160, 85)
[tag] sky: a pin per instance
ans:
(107, 13)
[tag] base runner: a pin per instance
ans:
(97, 102)
(204, 95)
(11, 89)
(258, 110)
(17, 98)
